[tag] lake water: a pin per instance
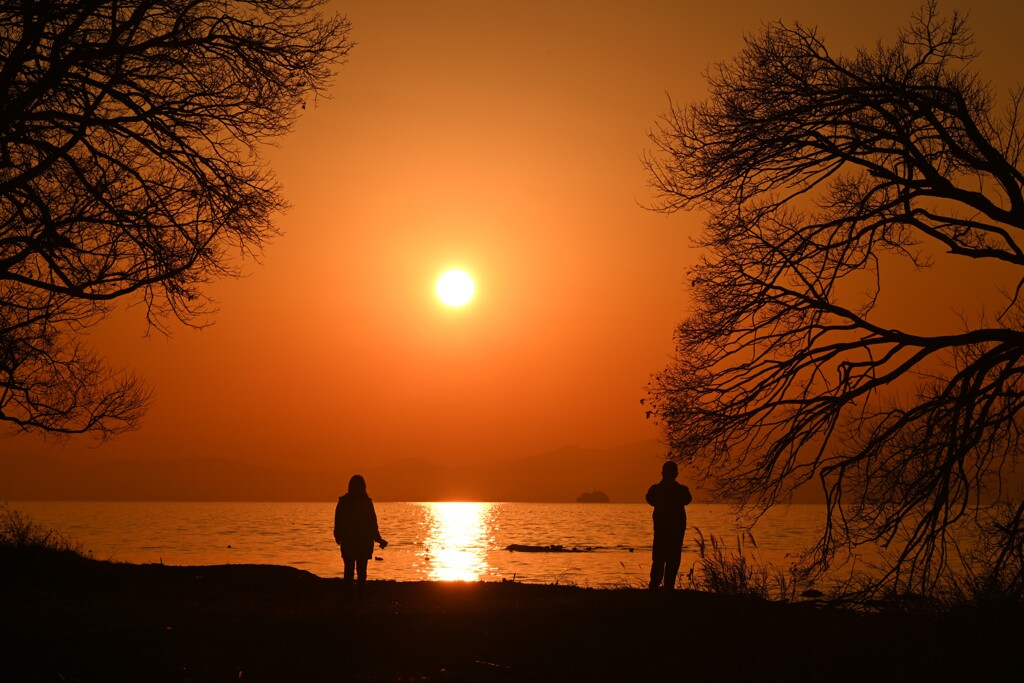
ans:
(427, 541)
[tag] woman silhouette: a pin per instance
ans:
(355, 530)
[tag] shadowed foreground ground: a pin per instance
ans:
(72, 619)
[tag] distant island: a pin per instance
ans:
(593, 497)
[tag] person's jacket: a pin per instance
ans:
(355, 526)
(669, 499)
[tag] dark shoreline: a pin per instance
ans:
(68, 618)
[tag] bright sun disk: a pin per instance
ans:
(455, 288)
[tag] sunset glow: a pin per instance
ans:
(455, 288)
(511, 150)
(535, 341)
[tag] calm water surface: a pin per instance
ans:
(427, 541)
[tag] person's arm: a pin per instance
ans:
(687, 496)
(337, 523)
(376, 529)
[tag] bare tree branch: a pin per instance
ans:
(820, 175)
(130, 133)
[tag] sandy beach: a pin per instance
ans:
(73, 619)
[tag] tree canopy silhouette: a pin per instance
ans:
(825, 178)
(130, 169)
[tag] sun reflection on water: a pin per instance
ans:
(457, 539)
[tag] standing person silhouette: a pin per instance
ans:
(669, 499)
(355, 530)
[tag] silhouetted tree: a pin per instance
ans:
(821, 176)
(129, 168)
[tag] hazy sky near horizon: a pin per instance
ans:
(502, 138)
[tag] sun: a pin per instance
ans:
(455, 288)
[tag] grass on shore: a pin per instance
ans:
(18, 532)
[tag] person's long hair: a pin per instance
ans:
(357, 485)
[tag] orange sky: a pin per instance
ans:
(504, 138)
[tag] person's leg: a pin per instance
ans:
(350, 569)
(671, 569)
(657, 567)
(360, 576)
(673, 552)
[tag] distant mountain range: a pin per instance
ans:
(624, 473)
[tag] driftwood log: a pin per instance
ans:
(518, 548)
